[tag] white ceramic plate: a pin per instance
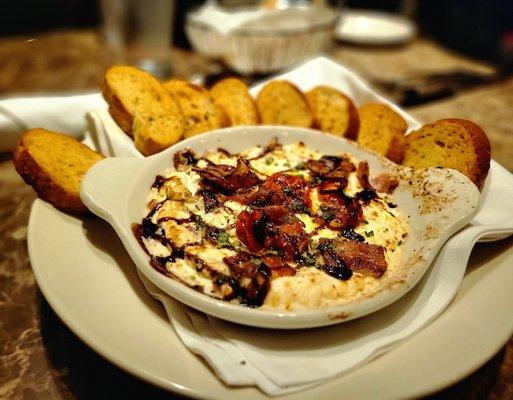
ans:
(374, 28)
(438, 201)
(93, 286)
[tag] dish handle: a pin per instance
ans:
(103, 188)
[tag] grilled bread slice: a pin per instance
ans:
(333, 111)
(282, 103)
(234, 103)
(450, 143)
(143, 108)
(54, 164)
(382, 130)
(200, 114)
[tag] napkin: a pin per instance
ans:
(225, 20)
(57, 113)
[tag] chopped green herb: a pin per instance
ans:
(328, 216)
(288, 191)
(299, 207)
(199, 266)
(221, 280)
(325, 245)
(365, 222)
(369, 233)
(223, 240)
(312, 245)
(309, 260)
(400, 242)
(287, 165)
(315, 181)
(269, 160)
(300, 166)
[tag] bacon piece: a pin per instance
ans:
(367, 259)
(269, 147)
(258, 197)
(333, 186)
(331, 167)
(284, 232)
(252, 277)
(210, 199)
(272, 227)
(289, 190)
(340, 212)
(362, 173)
(333, 265)
(278, 266)
(279, 189)
(290, 238)
(347, 217)
(276, 214)
(184, 158)
(226, 178)
(384, 183)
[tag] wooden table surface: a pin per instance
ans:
(40, 357)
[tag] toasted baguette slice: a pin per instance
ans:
(382, 130)
(234, 103)
(282, 103)
(450, 143)
(143, 108)
(333, 111)
(200, 114)
(54, 164)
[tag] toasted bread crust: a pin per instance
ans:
(481, 146)
(396, 150)
(282, 103)
(41, 176)
(143, 108)
(450, 143)
(333, 111)
(117, 111)
(382, 130)
(234, 104)
(198, 109)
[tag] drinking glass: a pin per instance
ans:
(140, 33)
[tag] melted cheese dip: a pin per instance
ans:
(178, 214)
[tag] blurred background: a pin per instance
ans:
(426, 49)
(482, 29)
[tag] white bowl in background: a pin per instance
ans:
(266, 44)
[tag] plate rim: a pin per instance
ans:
(375, 40)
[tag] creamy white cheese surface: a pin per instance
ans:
(177, 210)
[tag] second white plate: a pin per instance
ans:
(374, 28)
